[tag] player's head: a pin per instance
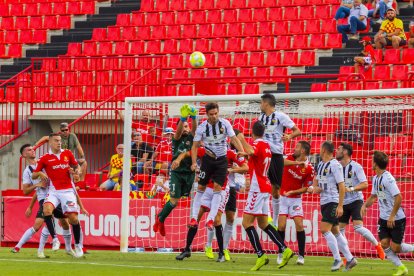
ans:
(212, 110)
(55, 141)
(357, 2)
(120, 149)
(380, 160)
(258, 129)
(327, 148)
(186, 128)
(152, 130)
(64, 129)
(390, 14)
(302, 148)
(344, 150)
(168, 133)
(268, 102)
(145, 115)
(27, 151)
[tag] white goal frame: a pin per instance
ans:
(129, 101)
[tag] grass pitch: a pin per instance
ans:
(115, 263)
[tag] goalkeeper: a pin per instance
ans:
(182, 177)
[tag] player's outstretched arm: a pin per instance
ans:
(179, 132)
(194, 149)
(176, 163)
(360, 187)
(295, 133)
(297, 192)
(314, 188)
(28, 212)
(248, 149)
(397, 205)
(288, 162)
(239, 169)
(237, 144)
(341, 190)
(371, 200)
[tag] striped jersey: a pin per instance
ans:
(275, 126)
(329, 175)
(27, 179)
(385, 188)
(353, 176)
(214, 136)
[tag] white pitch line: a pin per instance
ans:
(150, 267)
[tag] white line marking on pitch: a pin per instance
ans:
(150, 267)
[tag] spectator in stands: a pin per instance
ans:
(70, 141)
(144, 123)
(391, 32)
(411, 39)
(118, 186)
(141, 152)
(344, 9)
(357, 21)
(161, 159)
(367, 55)
(115, 168)
(381, 8)
(152, 139)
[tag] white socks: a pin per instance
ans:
(196, 204)
(215, 204)
(406, 248)
(26, 237)
(343, 246)
(210, 236)
(275, 206)
(67, 236)
(227, 233)
(392, 256)
(366, 234)
(44, 235)
(332, 244)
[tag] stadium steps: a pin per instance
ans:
(82, 30)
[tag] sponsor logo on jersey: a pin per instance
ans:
(295, 175)
(60, 166)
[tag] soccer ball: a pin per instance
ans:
(197, 59)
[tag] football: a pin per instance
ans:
(197, 59)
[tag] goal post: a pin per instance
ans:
(361, 118)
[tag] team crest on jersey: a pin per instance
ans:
(350, 174)
(65, 158)
(273, 121)
(221, 129)
(187, 143)
(325, 171)
(303, 170)
(380, 187)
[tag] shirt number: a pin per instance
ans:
(266, 164)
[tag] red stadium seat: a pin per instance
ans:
(189, 31)
(250, 44)
(323, 11)
(136, 19)
(158, 32)
(223, 60)
(256, 59)
(36, 22)
(233, 44)
(173, 32)
(168, 18)
(382, 72)
(291, 13)
(265, 29)
(205, 31)
(15, 51)
(372, 85)
(274, 58)
(99, 34)
(74, 8)
(114, 34)
(88, 7)
(306, 12)
(170, 46)
(383, 143)
(186, 46)
(403, 145)
(7, 23)
(230, 72)
(234, 29)
(246, 72)
(245, 15)
(317, 41)
(240, 59)
(297, 27)
(328, 25)
(316, 143)
(218, 45)
(198, 17)
(16, 9)
(353, 85)
(220, 30)
(153, 46)
(105, 48)
(130, 33)
(197, 73)
(408, 56)
(26, 36)
(50, 22)
(223, 4)
(318, 87)
(124, 19)
(307, 58)
(335, 86)
(176, 61)
(399, 72)
(283, 42)
(21, 23)
(183, 17)
(210, 60)
(389, 84)
(279, 72)
(6, 127)
(269, 3)
(11, 37)
(250, 29)
(238, 4)
(254, 4)
(162, 5)
(281, 28)
(290, 58)
(275, 14)
(300, 42)
(392, 56)
(137, 47)
(202, 45)
(313, 26)
(260, 14)
(334, 41)
(214, 16)
(311, 126)
(251, 88)
(267, 43)
(300, 3)
(213, 73)
(89, 48)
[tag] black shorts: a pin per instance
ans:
(231, 203)
(276, 170)
(329, 213)
(57, 212)
(396, 234)
(402, 42)
(353, 210)
(213, 169)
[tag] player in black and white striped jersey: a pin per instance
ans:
(276, 122)
(213, 133)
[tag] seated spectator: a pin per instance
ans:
(344, 9)
(381, 8)
(161, 159)
(141, 153)
(115, 168)
(118, 186)
(411, 40)
(357, 21)
(144, 123)
(161, 185)
(391, 32)
(152, 139)
(367, 55)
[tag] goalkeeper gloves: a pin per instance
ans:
(192, 111)
(184, 112)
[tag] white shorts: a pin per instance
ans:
(290, 207)
(208, 197)
(257, 204)
(367, 60)
(66, 198)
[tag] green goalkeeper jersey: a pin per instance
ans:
(179, 146)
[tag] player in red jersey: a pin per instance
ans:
(206, 201)
(257, 204)
(298, 174)
(59, 165)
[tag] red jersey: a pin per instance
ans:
(296, 177)
(370, 50)
(143, 127)
(231, 159)
(57, 168)
(259, 164)
(164, 150)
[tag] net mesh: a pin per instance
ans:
(368, 124)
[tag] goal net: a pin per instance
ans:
(368, 120)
